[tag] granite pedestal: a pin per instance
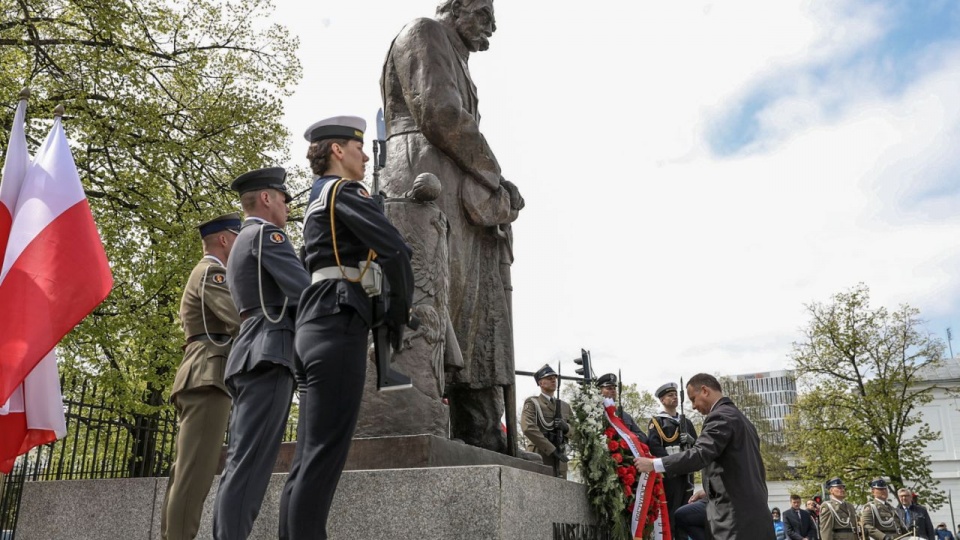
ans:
(487, 502)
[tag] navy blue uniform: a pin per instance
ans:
(333, 324)
(259, 373)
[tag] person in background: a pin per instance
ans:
(914, 516)
(943, 533)
(799, 522)
(778, 526)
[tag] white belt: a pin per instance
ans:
(335, 272)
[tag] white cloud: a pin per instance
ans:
(637, 242)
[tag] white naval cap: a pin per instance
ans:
(336, 127)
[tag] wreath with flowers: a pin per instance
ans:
(606, 464)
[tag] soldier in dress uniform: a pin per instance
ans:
(266, 280)
(665, 436)
(210, 322)
(540, 423)
(608, 389)
(838, 518)
(347, 241)
(880, 518)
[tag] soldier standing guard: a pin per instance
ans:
(347, 241)
(880, 519)
(266, 279)
(838, 518)
(667, 434)
(541, 424)
(608, 388)
(210, 322)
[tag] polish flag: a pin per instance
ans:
(54, 271)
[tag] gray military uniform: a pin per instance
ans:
(881, 520)
(838, 521)
(260, 369)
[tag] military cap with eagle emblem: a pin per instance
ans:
(610, 379)
(269, 178)
(337, 127)
(227, 222)
(665, 388)
(545, 371)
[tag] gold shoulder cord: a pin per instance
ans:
(333, 232)
(660, 431)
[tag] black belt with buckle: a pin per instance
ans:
(219, 338)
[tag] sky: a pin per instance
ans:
(695, 172)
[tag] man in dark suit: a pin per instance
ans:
(266, 280)
(799, 522)
(914, 516)
(728, 451)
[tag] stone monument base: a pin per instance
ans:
(491, 502)
(412, 451)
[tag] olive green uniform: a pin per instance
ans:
(838, 521)
(536, 420)
(880, 520)
(210, 321)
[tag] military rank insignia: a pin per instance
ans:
(277, 238)
(218, 278)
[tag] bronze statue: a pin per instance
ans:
(433, 126)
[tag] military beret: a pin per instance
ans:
(337, 127)
(545, 371)
(227, 222)
(668, 387)
(834, 482)
(878, 483)
(269, 178)
(609, 379)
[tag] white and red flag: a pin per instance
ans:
(54, 273)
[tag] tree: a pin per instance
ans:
(165, 105)
(858, 416)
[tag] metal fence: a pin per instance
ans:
(101, 442)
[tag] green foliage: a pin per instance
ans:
(858, 417)
(166, 103)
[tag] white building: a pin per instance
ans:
(778, 389)
(943, 415)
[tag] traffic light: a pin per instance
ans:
(586, 371)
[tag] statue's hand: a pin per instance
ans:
(516, 200)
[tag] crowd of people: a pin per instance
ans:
(732, 504)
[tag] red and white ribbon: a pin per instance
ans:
(646, 481)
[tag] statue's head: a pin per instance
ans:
(473, 20)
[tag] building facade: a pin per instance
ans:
(777, 389)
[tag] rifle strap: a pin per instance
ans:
(660, 432)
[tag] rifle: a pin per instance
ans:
(620, 393)
(681, 409)
(384, 336)
(555, 436)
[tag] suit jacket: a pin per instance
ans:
(263, 261)
(734, 478)
(799, 526)
(919, 521)
(206, 309)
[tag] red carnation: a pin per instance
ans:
(610, 433)
(623, 444)
(631, 479)
(617, 457)
(613, 446)
(627, 491)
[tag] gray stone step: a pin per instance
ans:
(486, 502)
